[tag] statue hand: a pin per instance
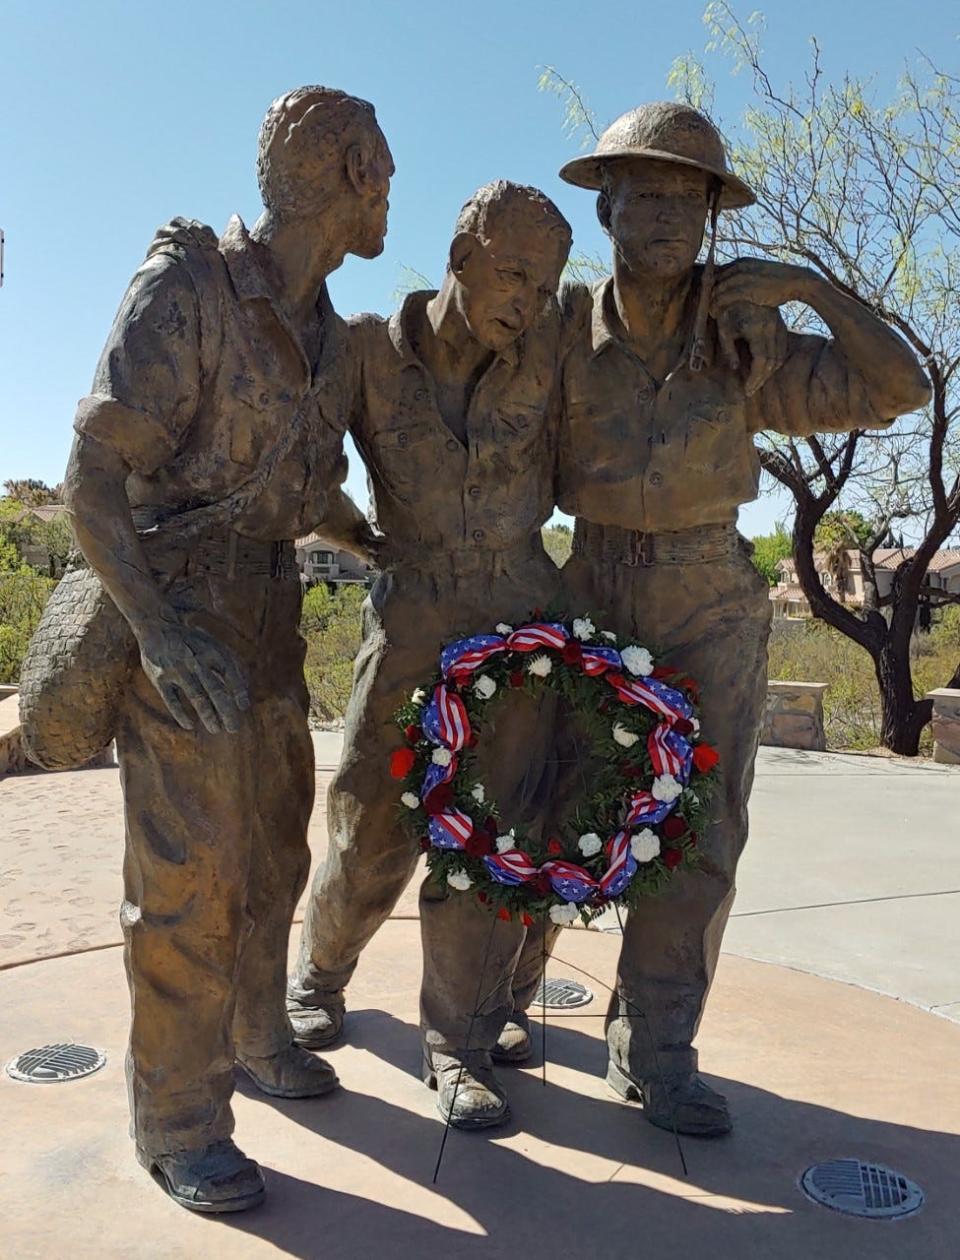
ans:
(764, 334)
(192, 671)
(762, 282)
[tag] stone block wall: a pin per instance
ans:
(794, 716)
(946, 725)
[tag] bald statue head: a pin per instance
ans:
(510, 246)
(322, 154)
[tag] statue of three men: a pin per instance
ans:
(228, 380)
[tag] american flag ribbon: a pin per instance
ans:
(569, 881)
(436, 775)
(652, 694)
(513, 867)
(539, 634)
(597, 660)
(450, 830)
(622, 866)
(466, 655)
(645, 808)
(445, 720)
(669, 752)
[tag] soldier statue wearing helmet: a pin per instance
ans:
(672, 368)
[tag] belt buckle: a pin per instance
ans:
(641, 550)
(276, 559)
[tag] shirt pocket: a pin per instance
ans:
(405, 457)
(708, 433)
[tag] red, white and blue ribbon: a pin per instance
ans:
(622, 866)
(436, 775)
(569, 881)
(539, 634)
(512, 867)
(598, 660)
(445, 720)
(669, 752)
(653, 695)
(466, 655)
(450, 830)
(645, 808)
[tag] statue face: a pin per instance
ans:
(371, 217)
(504, 284)
(656, 215)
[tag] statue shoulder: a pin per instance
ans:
(180, 236)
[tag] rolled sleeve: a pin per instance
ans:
(147, 385)
(815, 391)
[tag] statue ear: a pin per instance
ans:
(603, 211)
(461, 248)
(357, 167)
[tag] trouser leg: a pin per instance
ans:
(188, 800)
(671, 942)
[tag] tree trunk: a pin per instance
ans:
(902, 718)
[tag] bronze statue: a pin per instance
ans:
(668, 377)
(219, 399)
(454, 414)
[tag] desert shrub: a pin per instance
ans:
(23, 594)
(330, 623)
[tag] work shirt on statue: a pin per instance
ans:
(655, 456)
(199, 376)
(431, 490)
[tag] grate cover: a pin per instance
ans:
(49, 1065)
(859, 1189)
(563, 994)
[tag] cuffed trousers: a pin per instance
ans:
(216, 859)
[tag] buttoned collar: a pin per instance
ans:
(606, 328)
(399, 329)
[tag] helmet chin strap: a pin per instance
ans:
(698, 342)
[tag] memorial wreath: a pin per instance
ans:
(646, 786)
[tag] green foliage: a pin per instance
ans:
(25, 539)
(331, 625)
(31, 493)
(558, 542)
(769, 550)
(23, 595)
(842, 530)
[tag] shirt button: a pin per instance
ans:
(420, 395)
(452, 444)
(645, 393)
(401, 439)
(264, 399)
(656, 479)
(522, 422)
(474, 492)
(478, 535)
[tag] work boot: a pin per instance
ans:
(318, 1024)
(291, 1073)
(214, 1178)
(514, 1045)
(468, 1093)
(685, 1103)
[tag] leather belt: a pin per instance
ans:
(225, 553)
(702, 544)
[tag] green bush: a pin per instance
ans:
(23, 594)
(330, 623)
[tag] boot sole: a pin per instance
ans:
(466, 1124)
(207, 1207)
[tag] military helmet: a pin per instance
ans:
(665, 131)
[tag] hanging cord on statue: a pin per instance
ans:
(698, 341)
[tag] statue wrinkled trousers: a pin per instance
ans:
(408, 618)
(712, 621)
(216, 858)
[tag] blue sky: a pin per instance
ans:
(118, 116)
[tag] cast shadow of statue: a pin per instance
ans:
(741, 1198)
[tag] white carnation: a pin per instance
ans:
(484, 687)
(637, 659)
(459, 880)
(589, 844)
(506, 842)
(625, 738)
(410, 799)
(418, 696)
(540, 665)
(666, 788)
(442, 757)
(503, 628)
(583, 628)
(645, 845)
(696, 725)
(566, 914)
(609, 635)
(479, 793)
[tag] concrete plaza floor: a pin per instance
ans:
(852, 874)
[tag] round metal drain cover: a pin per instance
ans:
(859, 1189)
(563, 994)
(51, 1064)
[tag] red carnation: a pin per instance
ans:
(572, 653)
(554, 847)
(402, 761)
(479, 844)
(526, 920)
(482, 898)
(472, 739)
(540, 884)
(504, 913)
(490, 825)
(664, 671)
(424, 844)
(683, 726)
(672, 858)
(412, 733)
(437, 800)
(632, 771)
(674, 827)
(516, 678)
(705, 757)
